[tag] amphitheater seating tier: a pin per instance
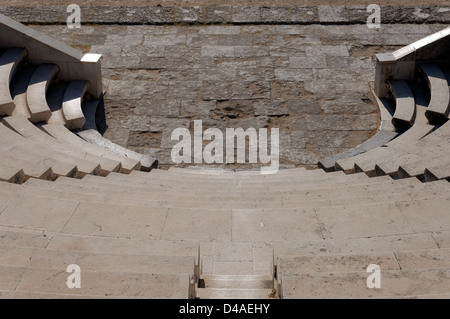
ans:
(70, 196)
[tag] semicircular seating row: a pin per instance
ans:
(421, 113)
(186, 233)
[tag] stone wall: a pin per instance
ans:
(309, 80)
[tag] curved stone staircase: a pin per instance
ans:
(199, 233)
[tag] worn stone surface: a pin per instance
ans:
(227, 13)
(310, 81)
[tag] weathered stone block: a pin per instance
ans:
(50, 14)
(217, 14)
(303, 106)
(304, 14)
(132, 15)
(216, 90)
(271, 108)
(251, 90)
(235, 109)
(246, 14)
(189, 14)
(442, 14)
(330, 14)
(159, 15)
(275, 14)
(104, 15)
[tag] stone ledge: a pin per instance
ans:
(324, 14)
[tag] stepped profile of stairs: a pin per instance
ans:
(236, 271)
(69, 197)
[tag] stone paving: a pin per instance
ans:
(309, 79)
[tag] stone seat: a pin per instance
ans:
(160, 175)
(22, 154)
(37, 90)
(30, 169)
(45, 258)
(282, 186)
(10, 61)
(62, 134)
(12, 174)
(438, 171)
(26, 282)
(281, 175)
(428, 283)
(24, 127)
(392, 156)
(68, 189)
(439, 107)
(71, 106)
(62, 164)
(366, 162)
(345, 194)
(223, 173)
(389, 162)
(416, 165)
(405, 106)
(343, 269)
(19, 88)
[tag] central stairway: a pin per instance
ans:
(236, 271)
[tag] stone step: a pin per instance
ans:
(10, 61)
(391, 166)
(94, 137)
(405, 106)
(222, 173)
(97, 283)
(38, 295)
(24, 153)
(99, 195)
(121, 263)
(334, 263)
(12, 174)
(72, 101)
(30, 169)
(23, 237)
(116, 245)
(439, 107)
(65, 136)
(251, 194)
(311, 181)
(311, 187)
(282, 174)
(412, 186)
(19, 88)
(437, 172)
(364, 245)
(219, 293)
(366, 162)
(107, 164)
(24, 133)
(415, 167)
(237, 281)
(37, 91)
(340, 222)
(377, 141)
(394, 284)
